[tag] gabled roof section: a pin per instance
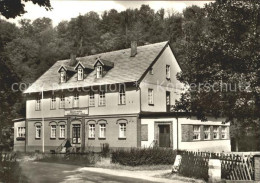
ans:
(84, 66)
(126, 69)
(104, 62)
(66, 68)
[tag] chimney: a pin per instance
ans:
(133, 48)
(73, 60)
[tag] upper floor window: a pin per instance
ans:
(102, 131)
(168, 72)
(99, 71)
(91, 98)
(223, 132)
(53, 131)
(122, 130)
(151, 71)
(38, 131)
(196, 132)
(91, 131)
(21, 132)
(80, 73)
(62, 131)
(63, 76)
(62, 101)
(150, 97)
(206, 132)
(38, 104)
(102, 98)
(122, 96)
(76, 100)
(53, 102)
(215, 132)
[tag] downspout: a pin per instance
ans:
(177, 133)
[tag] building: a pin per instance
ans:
(122, 98)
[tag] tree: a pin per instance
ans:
(223, 67)
(14, 8)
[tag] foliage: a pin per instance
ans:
(143, 156)
(14, 8)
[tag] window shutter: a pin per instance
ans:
(144, 132)
(201, 132)
(186, 133)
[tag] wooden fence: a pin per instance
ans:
(233, 166)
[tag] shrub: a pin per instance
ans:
(144, 156)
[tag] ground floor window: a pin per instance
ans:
(62, 131)
(21, 132)
(215, 132)
(102, 131)
(122, 130)
(53, 131)
(76, 134)
(196, 132)
(223, 132)
(38, 131)
(206, 132)
(91, 132)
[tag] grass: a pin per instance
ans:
(176, 177)
(106, 163)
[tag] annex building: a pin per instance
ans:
(122, 98)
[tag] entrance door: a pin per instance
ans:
(168, 101)
(164, 135)
(76, 134)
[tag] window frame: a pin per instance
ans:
(224, 132)
(150, 97)
(102, 98)
(53, 102)
(21, 131)
(91, 101)
(206, 132)
(80, 74)
(99, 71)
(91, 131)
(62, 102)
(122, 96)
(38, 104)
(63, 76)
(196, 133)
(102, 126)
(216, 132)
(62, 129)
(53, 131)
(122, 131)
(76, 100)
(168, 72)
(38, 128)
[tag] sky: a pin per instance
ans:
(67, 9)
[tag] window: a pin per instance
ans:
(76, 134)
(91, 98)
(151, 71)
(223, 132)
(63, 76)
(150, 96)
(122, 96)
(53, 131)
(21, 132)
(76, 100)
(53, 102)
(102, 131)
(38, 104)
(99, 71)
(196, 132)
(80, 73)
(215, 132)
(62, 102)
(168, 72)
(122, 130)
(102, 98)
(206, 132)
(62, 131)
(38, 131)
(91, 132)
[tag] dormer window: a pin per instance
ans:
(63, 76)
(80, 73)
(99, 71)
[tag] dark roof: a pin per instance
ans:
(126, 69)
(67, 68)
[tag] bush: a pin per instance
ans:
(144, 156)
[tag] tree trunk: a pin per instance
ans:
(236, 140)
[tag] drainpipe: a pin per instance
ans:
(177, 133)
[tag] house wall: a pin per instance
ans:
(19, 145)
(218, 145)
(112, 107)
(160, 84)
